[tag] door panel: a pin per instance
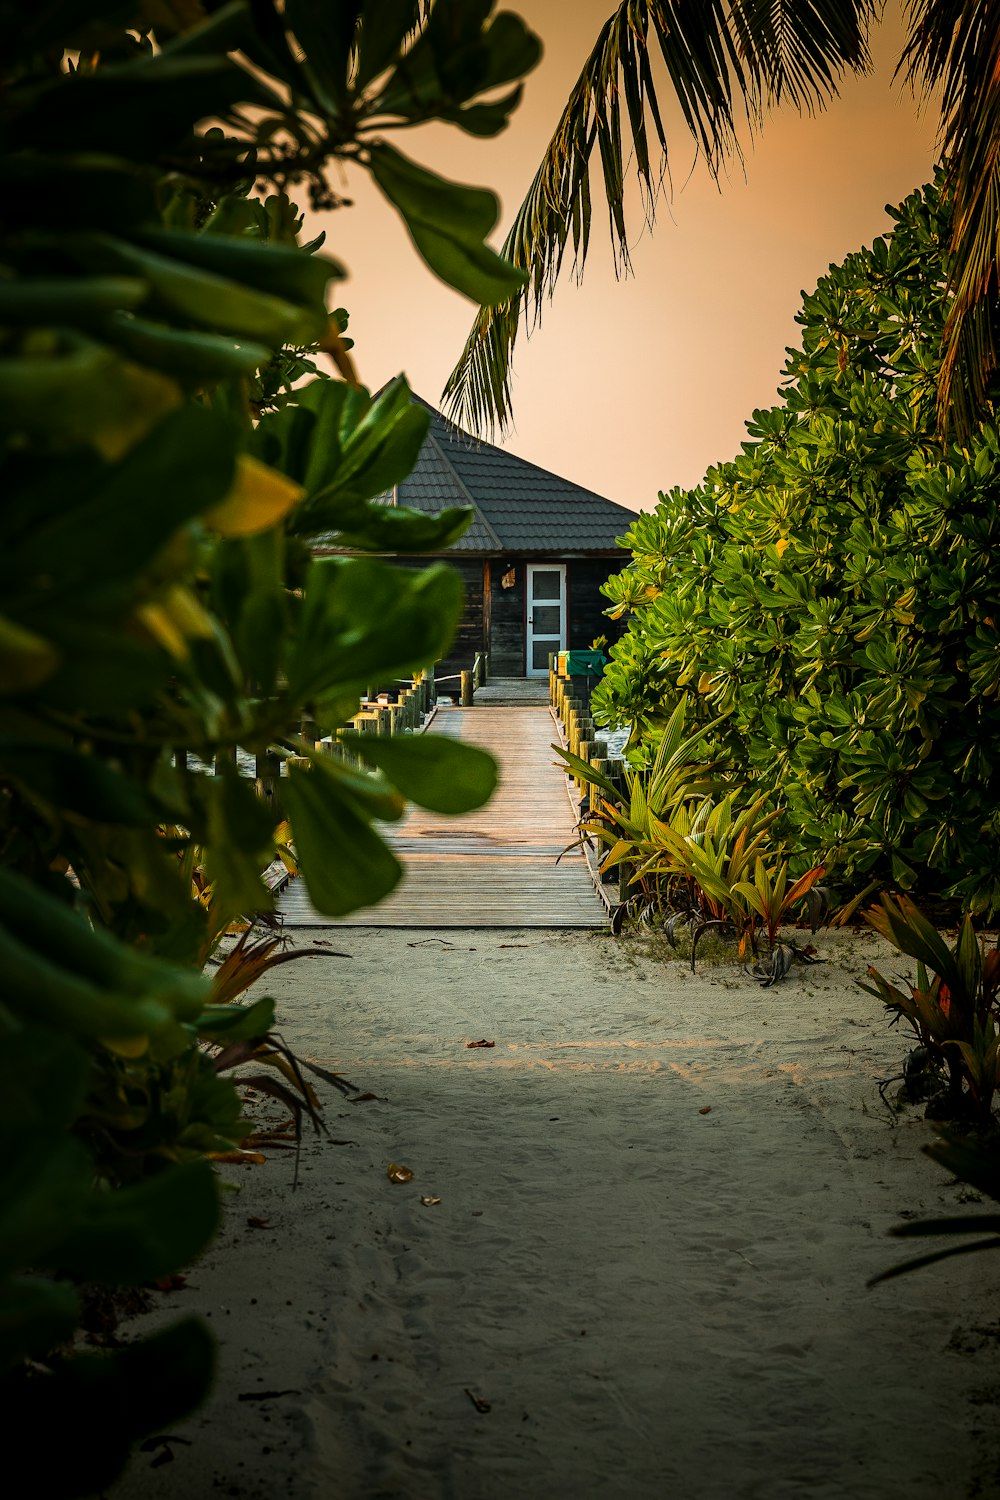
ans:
(546, 602)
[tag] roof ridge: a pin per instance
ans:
(463, 487)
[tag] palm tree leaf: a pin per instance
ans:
(760, 51)
(955, 47)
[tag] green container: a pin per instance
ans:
(585, 663)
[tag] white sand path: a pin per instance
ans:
(652, 1300)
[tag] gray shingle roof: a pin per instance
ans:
(520, 508)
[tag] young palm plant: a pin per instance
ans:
(772, 899)
(952, 1006)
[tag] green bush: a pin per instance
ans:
(833, 593)
(163, 475)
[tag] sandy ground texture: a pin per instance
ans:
(660, 1199)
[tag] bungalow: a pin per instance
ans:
(533, 560)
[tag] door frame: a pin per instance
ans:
(530, 570)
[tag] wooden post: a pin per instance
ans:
(225, 756)
(181, 759)
(405, 708)
(267, 770)
(467, 690)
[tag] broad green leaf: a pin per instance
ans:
(80, 301)
(396, 529)
(35, 1316)
(136, 1234)
(26, 659)
(385, 25)
(365, 622)
(259, 499)
(344, 863)
(43, 1189)
(448, 224)
(43, 990)
(83, 393)
(344, 448)
(435, 772)
(201, 357)
(325, 34)
(83, 976)
(71, 781)
(278, 270)
(101, 1404)
(239, 840)
(144, 108)
(101, 668)
(182, 468)
(203, 296)
(235, 1023)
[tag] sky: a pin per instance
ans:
(632, 386)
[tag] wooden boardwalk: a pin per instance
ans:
(491, 868)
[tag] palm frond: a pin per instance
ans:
(955, 46)
(747, 53)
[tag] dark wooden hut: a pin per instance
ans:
(533, 559)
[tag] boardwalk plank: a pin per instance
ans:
(495, 867)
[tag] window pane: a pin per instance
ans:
(546, 619)
(545, 585)
(540, 651)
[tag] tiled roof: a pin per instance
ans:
(433, 485)
(527, 509)
(519, 508)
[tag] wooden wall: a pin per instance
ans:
(505, 622)
(506, 637)
(494, 617)
(586, 602)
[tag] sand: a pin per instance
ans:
(661, 1198)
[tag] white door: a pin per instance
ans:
(546, 590)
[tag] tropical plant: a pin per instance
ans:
(627, 819)
(163, 475)
(830, 595)
(718, 59)
(952, 1006)
(684, 857)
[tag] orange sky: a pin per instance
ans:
(631, 387)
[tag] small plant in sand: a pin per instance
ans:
(952, 1006)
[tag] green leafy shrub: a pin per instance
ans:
(163, 475)
(831, 598)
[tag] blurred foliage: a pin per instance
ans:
(830, 597)
(164, 472)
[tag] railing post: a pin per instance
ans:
(267, 769)
(467, 690)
